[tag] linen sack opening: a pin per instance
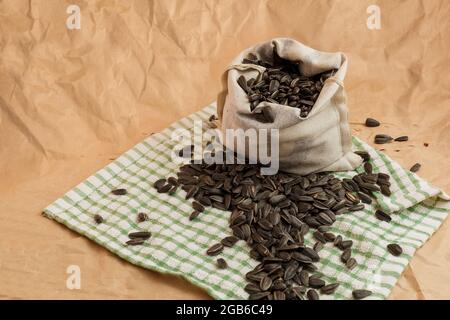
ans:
(321, 141)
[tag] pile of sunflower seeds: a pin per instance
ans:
(282, 83)
(274, 213)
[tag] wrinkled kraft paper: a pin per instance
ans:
(319, 142)
(73, 100)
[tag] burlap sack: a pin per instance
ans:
(319, 142)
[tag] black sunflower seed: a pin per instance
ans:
(221, 263)
(370, 122)
(368, 167)
(279, 295)
(265, 283)
(141, 217)
(415, 167)
(98, 219)
(316, 283)
(337, 241)
(351, 263)
(194, 215)
(401, 138)
(345, 244)
(346, 255)
(159, 183)
(165, 188)
(135, 242)
(356, 207)
(318, 246)
(173, 181)
(229, 241)
(383, 216)
(329, 288)
(382, 140)
(320, 237)
(140, 235)
(361, 294)
(191, 192)
(119, 192)
(394, 249)
(215, 249)
(385, 190)
(252, 288)
(304, 278)
(365, 198)
(312, 294)
(197, 206)
(363, 154)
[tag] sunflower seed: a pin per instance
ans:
(394, 249)
(265, 283)
(252, 288)
(279, 295)
(346, 255)
(385, 190)
(368, 167)
(415, 167)
(215, 249)
(141, 217)
(329, 288)
(363, 154)
(370, 122)
(135, 242)
(401, 138)
(98, 219)
(159, 183)
(345, 244)
(380, 215)
(229, 241)
(221, 263)
(119, 192)
(165, 188)
(197, 206)
(194, 215)
(361, 294)
(140, 235)
(316, 283)
(356, 207)
(312, 294)
(351, 263)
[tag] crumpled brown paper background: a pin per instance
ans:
(72, 100)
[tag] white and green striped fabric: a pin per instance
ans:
(178, 245)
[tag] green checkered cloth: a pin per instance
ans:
(178, 245)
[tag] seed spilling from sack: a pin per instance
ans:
(282, 83)
(273, 213)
